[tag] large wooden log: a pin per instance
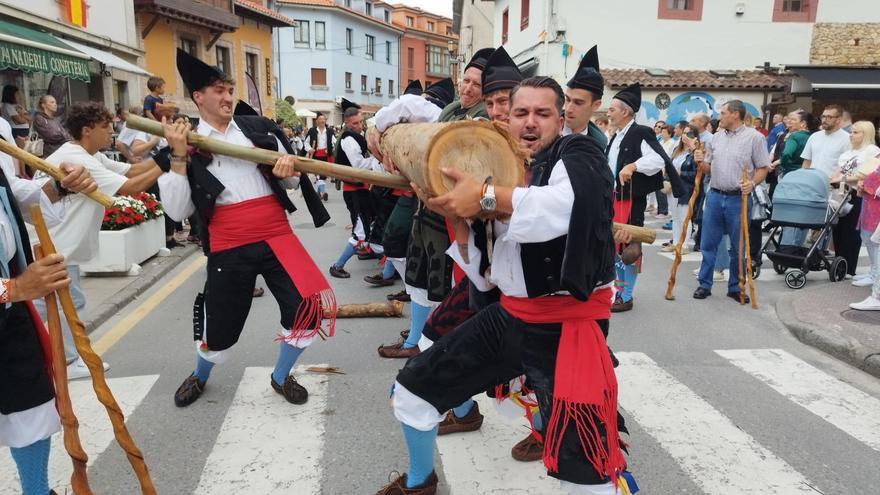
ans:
(390, 309)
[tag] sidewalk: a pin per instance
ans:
(821, 317)
(108, 294)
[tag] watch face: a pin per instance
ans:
(487, 204)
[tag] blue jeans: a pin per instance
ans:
(79, 302)
(721, 215)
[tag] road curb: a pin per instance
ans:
(144, 281)
(846, 349)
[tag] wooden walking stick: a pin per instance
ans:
(79, 480)
(684, 226)
(744, 234)
(96, 368)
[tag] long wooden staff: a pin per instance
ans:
(79, 480)
(56, 173)
(96, 367)
(684, 226)
(744, 235)
(268, 157)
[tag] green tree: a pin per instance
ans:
(284, 111)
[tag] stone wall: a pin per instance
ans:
(845, 44)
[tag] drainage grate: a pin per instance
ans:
(867, 317)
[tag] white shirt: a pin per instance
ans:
(566, 130)
(540, 214)
(649, 164)
(242, 179)
(824, 149)
(322, 139)
(407, 108)
(11, 110)
(77, 237)
(6, 131)
(352, 150)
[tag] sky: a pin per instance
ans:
(441, 7)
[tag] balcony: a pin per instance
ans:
(193, 12)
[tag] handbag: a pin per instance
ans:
(760, 204)
(34, 143)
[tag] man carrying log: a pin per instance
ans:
(245, 233)
(555, 271)
(28, 417)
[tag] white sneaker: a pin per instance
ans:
(78, 369)
(697, 272)
(863, 282)
(870, 303)
(718, 276)
(861, 276)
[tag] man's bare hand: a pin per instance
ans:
(175, 134)
(285, 166)
(42, 277)
(622, 236)
(747, 187)
(699, 155)
(626, 173)
(78, 179)
(464, 198)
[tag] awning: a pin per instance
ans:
(304, 112)
(30, 50)
(107, 58)
(839, 81)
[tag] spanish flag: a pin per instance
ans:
(76, 12)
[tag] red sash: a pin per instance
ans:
(263, 219)
(585, 386)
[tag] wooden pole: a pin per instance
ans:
(79, 480)
(388, 309)
(684, 226)
(56, 173)
(744, 234)
(96, 367)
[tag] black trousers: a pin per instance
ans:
(847, 238)
(490, 349)
(221, 311)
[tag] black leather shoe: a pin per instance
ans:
(735, 297)
(702, 293)
(291, 390)
(339, 272)
(378, 280)
(189, 391)
(370, 255)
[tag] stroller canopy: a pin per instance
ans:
(801, 198)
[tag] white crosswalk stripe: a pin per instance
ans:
(254, 452)
(839, 403)
(95, 430)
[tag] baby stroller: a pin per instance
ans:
(801, 202)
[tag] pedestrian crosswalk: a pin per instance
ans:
(253, 451)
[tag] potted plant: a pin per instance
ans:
(132, 232)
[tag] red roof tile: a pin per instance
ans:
(695, 79)
(255, 7)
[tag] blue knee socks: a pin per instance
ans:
(419, 315)
(626, 277)
(203, 368)
(287, 356)
(420, 445)
(33, 467)
(537, 422)
(388, 270)
(347, 253)
(463, 410)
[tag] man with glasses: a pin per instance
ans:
(825, 147)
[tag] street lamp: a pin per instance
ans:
(455, 58)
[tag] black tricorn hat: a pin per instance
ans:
(442, 90)
(348, 104)
(242, 108)
(479, 59)
(588, 75)
(632, 96)
(413, 88)
(195, 73)
(500, 72)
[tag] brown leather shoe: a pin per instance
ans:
(529, 449)
(619, 306)
(189, 391)
(378, 280)
(291, 390)
(397, 486)
(471, 422)
(401, 296)
(397, 351)
(339, 272)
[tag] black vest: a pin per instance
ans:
(205, 188)
(313, 139)
(630, 151)
(342, 158)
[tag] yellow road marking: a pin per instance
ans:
(125, 325)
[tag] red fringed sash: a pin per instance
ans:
(585, 387)
(263, 219)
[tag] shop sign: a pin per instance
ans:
(30, 59)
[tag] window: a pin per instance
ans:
(682, 10)
(319, 77)
(347, 4)
(320, 35)
(390, 87)
(410, 58)
(430, 26)
(252, 67)
(523, 14)
(378, 86)
(368, 8)
(448, 30)
(189, 45)
(348, 80)
(223, 60)
(371, 47)
(348, 35)
(794, 10)
(387, 16)
(363, 84)
(505, 16)
(387, 52)
(301, 34)
(410, 21)
(437, 60)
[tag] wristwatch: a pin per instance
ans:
(487, 201)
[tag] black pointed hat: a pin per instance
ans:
(242, 108)
(588, 75)
(195, 73)
(348, 104)
(479, 59)
(632, 96)
(442, 90)
(413, 88)
(500, 72)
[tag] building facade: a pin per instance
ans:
(344, 49)
(473, 22)
(428, 45)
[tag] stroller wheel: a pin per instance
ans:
(778, 268)
(837, 270)
(795, 279)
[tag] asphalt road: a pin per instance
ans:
(719, 399)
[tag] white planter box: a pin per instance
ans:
(121, 250)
